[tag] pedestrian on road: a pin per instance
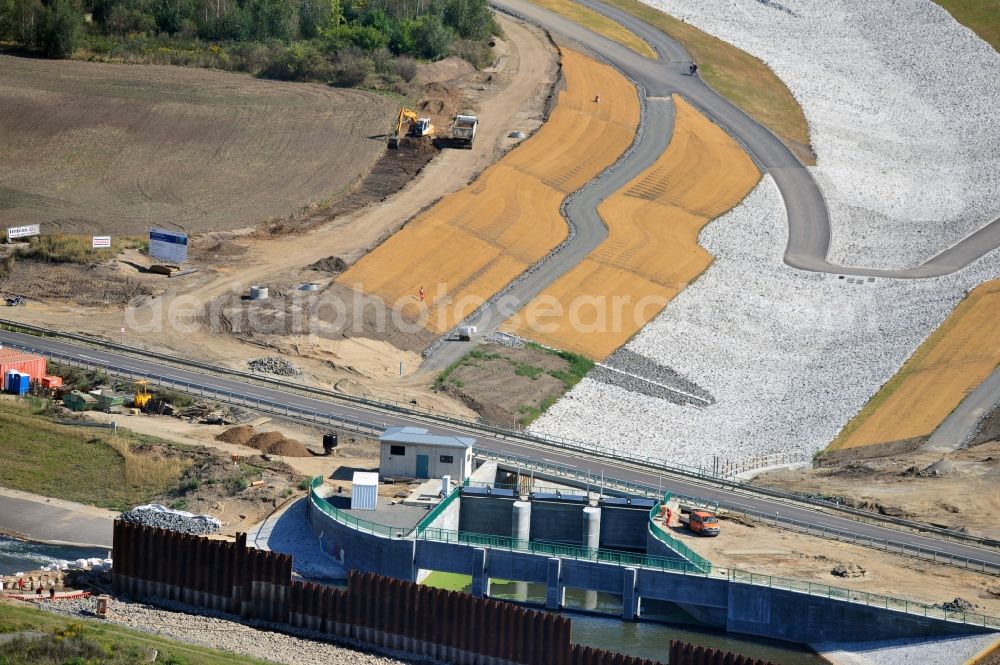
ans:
(597, 99)
(38, 589)
(20, 584)
(693, 69)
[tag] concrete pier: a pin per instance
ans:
(480, 580)
(630, 599)
(521, 521)
(591, 528)
(555, 596)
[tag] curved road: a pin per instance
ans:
(808, 219)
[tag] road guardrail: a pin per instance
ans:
(663, 467)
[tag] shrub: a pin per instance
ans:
(299, 62)
(405, 68)
(351, 69)
(364, 37)
(478, 54)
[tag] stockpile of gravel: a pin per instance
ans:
(218, 631)
(274, 365)
(199, 525)
(903, 110)
(925, 651)
(789, 356)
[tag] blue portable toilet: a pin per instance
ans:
(9, 379)
(17, 383)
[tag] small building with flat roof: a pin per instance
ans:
(413, 452)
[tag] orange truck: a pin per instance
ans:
(701, 522)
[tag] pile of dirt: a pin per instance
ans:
(239, 435)
(288, 448)
(264, 439)
(276, 443)
(333, 264)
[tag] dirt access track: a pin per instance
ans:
(475, 241)
(106, 148)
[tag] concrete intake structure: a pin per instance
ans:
(470, 533)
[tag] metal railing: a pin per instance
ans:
(699, 562)
(647, 463)
(438, 509)
(634, 560)
(594, 481)
(571, 474)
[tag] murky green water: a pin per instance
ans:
(643, 639)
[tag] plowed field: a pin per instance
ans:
(652, 250)
(475, 241)
(90, 147)
(947, 366)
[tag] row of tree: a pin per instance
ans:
(420, 28)
(52, 26)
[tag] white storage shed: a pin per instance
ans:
(413, 452)
(364, 490)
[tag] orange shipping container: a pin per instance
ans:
(51, 381)
(26, 363)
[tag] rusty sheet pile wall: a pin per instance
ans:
(447, 625)
(682, 653)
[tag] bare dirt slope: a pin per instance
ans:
(92, 147)
(959, 490)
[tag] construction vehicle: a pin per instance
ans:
(701, 522)
(142, 394)
(463, 131)
(415, 127)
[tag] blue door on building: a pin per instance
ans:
(422, 466)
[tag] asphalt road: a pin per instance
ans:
(580, 461)
(951, 433)
(55, 521)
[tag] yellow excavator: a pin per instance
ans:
(416, 127)
(142, 394)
